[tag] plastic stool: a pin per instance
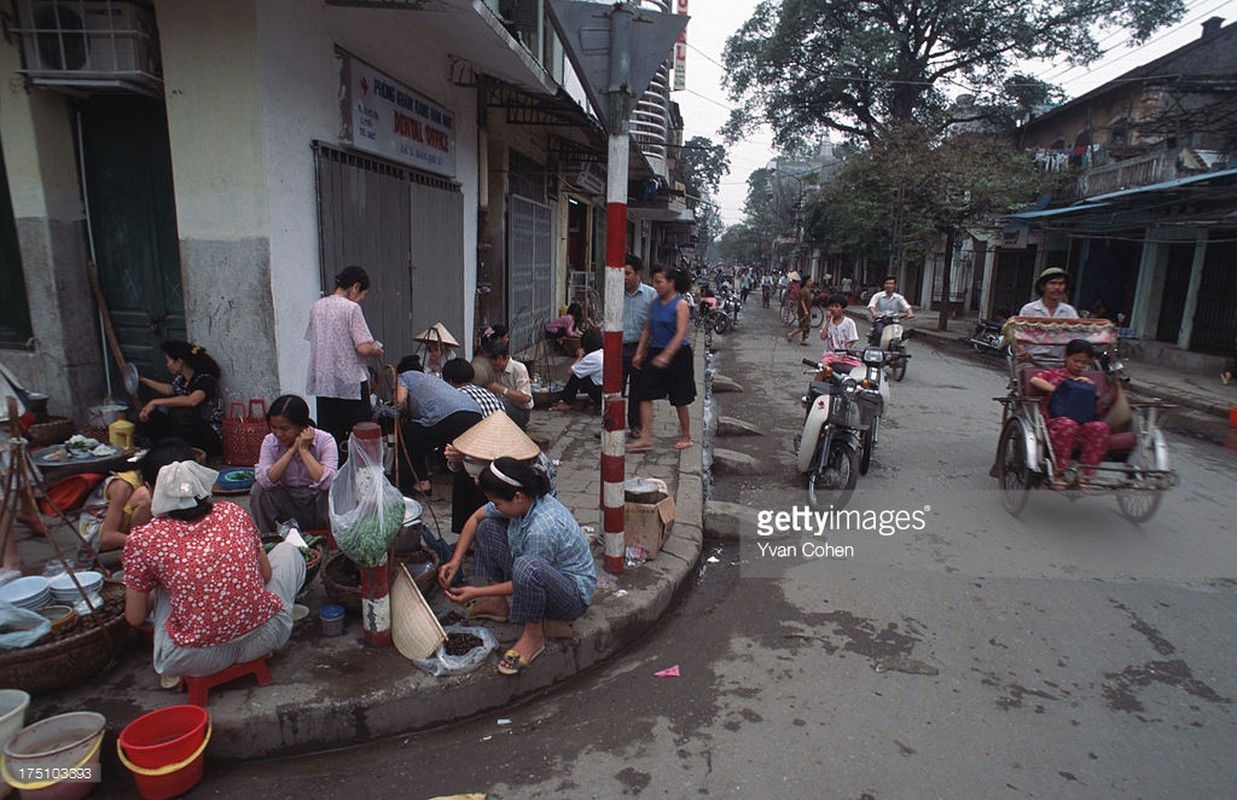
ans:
(199, 687)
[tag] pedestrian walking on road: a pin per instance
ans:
(803, 313)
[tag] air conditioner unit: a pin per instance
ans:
(97, 44)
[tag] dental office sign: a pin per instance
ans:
(385, 117)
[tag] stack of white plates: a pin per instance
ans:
(63, 591)
(32, 592)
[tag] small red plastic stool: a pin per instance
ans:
(199, 687)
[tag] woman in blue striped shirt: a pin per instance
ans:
(529, 548)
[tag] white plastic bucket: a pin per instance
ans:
(13, 706)
(66, 744)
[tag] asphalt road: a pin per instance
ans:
(1062, 653)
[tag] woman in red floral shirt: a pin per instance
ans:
(198, 570)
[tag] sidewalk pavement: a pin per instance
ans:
(328, 692)
(1203, 393)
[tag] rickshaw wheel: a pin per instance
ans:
(1138, 506)
(1013, 472)
(1135, 505)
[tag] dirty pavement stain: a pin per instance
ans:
(1122, 692)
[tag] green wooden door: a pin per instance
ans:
(128, 177)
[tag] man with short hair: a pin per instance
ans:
(637, 297)
(885, 303)
(1051, 286)
(511, 383)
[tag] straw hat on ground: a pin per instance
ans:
(437, 333)
(495, 436)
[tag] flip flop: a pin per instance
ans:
(639, 448)
(473, 613)
(683, 445)
(512, 663)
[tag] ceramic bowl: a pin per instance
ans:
(23, 590)
(60, 615)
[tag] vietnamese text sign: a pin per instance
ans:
(388, 119)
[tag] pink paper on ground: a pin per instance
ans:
(671, 672)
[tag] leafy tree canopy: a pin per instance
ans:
(702, 165)
(862, 67)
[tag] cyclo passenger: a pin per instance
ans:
(1072, 412)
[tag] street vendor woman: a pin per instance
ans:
(197, 570)
(529, 548)
(295, 468)
(190, 407)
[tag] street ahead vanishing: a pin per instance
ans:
(1062, 653)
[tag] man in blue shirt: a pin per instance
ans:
(637, 297)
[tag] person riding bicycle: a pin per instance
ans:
(882, 305)
(766, 289)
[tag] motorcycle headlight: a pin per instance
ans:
(873, 354)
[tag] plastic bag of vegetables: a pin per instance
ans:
(366, 510)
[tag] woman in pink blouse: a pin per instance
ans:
(295, 468)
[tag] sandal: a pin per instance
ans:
(471, 611)
(560, 406)
(681, 445)
(512, 663)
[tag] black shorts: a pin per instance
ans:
(676, 381)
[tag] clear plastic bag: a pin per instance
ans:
(21, 627)
(366, 510)
(441, 663)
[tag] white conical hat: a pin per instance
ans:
(437, 333)
(494, 437)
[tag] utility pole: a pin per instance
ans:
(615, 50)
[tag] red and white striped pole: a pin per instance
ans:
(613, 436)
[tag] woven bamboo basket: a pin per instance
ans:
(74, 658)
(343, 583)
(54, 431)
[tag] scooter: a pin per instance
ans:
(842, 425)
(987, 337)
(893, 338)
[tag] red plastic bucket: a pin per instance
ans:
(163, 750)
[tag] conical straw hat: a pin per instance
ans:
(415, 630)
(496, 436)
(437, 333)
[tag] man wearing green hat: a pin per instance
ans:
(1051, 285)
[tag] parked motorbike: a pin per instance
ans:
(987, 337)
(893, 338)
(842, 425)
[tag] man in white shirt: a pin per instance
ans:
(1051, 285)
(637, 297)
(885, 303)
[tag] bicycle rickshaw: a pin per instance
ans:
(1135, 469)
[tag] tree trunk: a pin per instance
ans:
(942, 323)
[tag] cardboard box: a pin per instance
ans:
(649, 524)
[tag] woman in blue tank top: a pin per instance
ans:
(664, 359)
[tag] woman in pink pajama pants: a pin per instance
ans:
(1068, 435)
